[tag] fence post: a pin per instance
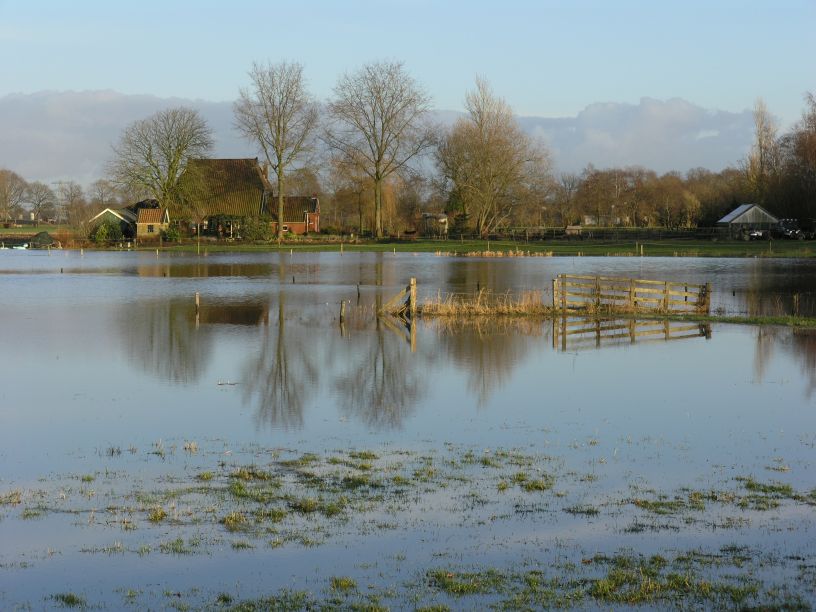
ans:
(597, 294)
(555, 293)
(708, 298)
(412, 297)
(666, 297)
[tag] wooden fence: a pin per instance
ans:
(571, 333)
(397, 307)
(599, 294)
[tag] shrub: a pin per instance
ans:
(256, 228)
(106, 232)
(171, 234)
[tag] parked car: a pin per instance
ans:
(789, 229)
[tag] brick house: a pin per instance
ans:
(150, 222)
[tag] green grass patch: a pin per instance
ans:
(342, 583)
(178, 547)
(775, 489)
(584, 509)
(235, 521)
(252, 472)
(264, 494)
(157, 515)
(12, 498)
(465, 583)
(661, 506)
(303, 461)
(69, 600)
(363, 455)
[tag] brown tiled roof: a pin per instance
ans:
(151, 215)
(294, 208)
(226, 186)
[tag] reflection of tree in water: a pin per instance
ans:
(487, 350)
(804, 347)
(774, 293)
(282, 376)
(380, 385)
(162, 339)
(801, 343)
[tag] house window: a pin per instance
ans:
(149, 229)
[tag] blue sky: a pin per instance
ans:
(547, 58)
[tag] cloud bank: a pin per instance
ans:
(50, 136)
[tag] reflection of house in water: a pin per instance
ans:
(169, 340)
(572, 333)
(241, 313)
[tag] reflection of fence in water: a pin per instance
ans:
(582, 332)
(573, 292)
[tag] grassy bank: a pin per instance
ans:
(571, 248)
(586, 248)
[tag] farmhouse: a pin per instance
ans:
(221, 191)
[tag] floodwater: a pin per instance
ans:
(117, 397)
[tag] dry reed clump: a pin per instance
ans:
(486, 304)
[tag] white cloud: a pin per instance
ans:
(661, 135)
(51, 136)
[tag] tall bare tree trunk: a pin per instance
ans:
(378, 226)
(281, 181)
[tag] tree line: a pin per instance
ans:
(377, 162)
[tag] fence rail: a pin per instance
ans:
(580, 293)
(579, 332)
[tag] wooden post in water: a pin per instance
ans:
(632, 294)
(564, 332)
(412, 297)
(342, 311)
(563, 291)
(666, 297)
(555, 293)
(197, 302)
(598, 296)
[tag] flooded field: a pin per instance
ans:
(257, 454)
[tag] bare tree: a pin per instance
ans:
(71, 200)
(12, 194)
(152, 153)
(103, 193)
(376, 124)
(41, 200)
(764, 159)
(279, 115)
(487, 159)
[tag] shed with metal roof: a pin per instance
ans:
(746, 217)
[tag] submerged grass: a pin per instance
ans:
(69, 600)
(304, 500)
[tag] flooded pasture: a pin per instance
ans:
(257, 452)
